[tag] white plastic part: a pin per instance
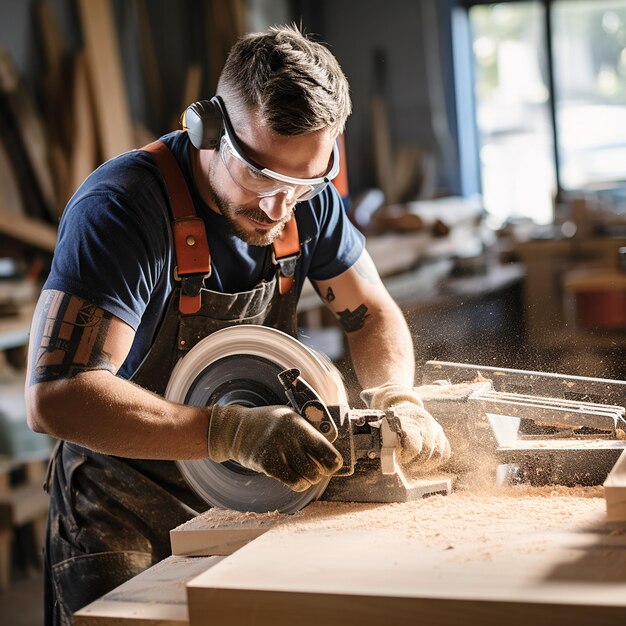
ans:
(225, 485)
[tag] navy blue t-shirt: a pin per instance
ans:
(115, 247)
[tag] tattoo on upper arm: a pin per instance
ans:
(353, 320)
(71, 335)
(330, 295)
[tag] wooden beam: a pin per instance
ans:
(220, 532)
(29, 230)
(154, 597)
(526, 555)
(615, 491)
(84, 152)
(29, 128)
(107, 77)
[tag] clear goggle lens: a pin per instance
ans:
(256, 181)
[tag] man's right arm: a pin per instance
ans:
(73, 393)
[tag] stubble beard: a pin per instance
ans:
(231, 212)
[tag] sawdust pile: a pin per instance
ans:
(518, 522)
(460, 517)
(470, 527)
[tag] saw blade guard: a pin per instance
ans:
(240, 365)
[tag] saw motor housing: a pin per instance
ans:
(367, 440)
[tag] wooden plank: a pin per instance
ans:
(10, 194)
(29, 230)
(23, 176)
(191, 92)
(154, 597)
(55, 84)
(149, 63)
(29, 127)
(615, 491)
(220, 532)
(84, 151)
(531, 554)
(225, 22)
(107, 77)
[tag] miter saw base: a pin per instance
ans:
(367, 484)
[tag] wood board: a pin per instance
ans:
(10, 195)
(29, 128)
(55, 83)
(615, 491)
(541, 554)
(29, 230)
(220, 532)
(156, 596)
(107, 77)
(84, 152)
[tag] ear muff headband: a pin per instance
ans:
(204, 122)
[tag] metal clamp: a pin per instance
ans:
(287, 264)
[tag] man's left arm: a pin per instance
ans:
(382, 354)
(377, 333)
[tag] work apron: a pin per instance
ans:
(110, 517)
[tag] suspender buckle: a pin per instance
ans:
(178, 277)
(287, 264)
(190, 284)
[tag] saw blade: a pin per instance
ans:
(240, 365)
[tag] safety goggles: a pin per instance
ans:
(262, 181)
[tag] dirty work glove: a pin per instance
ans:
(423, 444)
(273, 440)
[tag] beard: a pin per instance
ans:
(254, 237)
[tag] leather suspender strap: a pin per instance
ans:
(193, 257)
(285, 254)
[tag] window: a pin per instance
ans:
(589, 43)
(550, 97)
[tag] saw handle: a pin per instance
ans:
(307, 403)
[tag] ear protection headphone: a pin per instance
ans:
(204, 122)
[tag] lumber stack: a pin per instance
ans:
(77, 114)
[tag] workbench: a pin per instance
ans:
(486, 555)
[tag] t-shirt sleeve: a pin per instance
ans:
(110, 253)
(339, 244)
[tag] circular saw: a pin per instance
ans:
(253, 366)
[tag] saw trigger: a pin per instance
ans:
(307, 403)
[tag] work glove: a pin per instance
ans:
(273, 440)
(423, 444)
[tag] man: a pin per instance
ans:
(127, 282)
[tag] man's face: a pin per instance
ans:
(259, 221)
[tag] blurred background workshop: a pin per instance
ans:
(484, 161)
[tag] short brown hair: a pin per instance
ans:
(294, 83)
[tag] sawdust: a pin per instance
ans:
(469, 526)
(223, 518)
(474, 525)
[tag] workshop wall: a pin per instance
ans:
(412, 41)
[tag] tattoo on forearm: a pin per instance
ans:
(353, 320)
(71, 335)
(330, 295)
